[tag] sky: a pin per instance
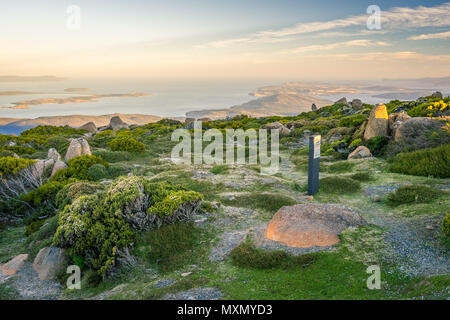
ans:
(224, 39)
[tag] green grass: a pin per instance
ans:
(414, 194)
(170, 247)
(361, 176)
(263, 201)
(338, 185)
(7, 292)
(247, 256)
(11, 243)
(220, 169)
(341, 166)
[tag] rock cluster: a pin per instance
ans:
(77, 148)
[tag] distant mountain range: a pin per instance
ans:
(15, 126)
(283, 104)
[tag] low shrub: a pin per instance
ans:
(220, 169)
(126, 144)
(169, 247)
(263, 201)
(361, 176)
(352, 121)
(414, 194)
(338, 185)
(446, 225)
(112, 156)
(429, 162)
(11, 165)
(247, 256)
(341, 166)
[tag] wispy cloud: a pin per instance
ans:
(396, 18)
(331, 46)
(441, 35)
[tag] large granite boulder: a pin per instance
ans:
(48, 262)
(276, 125)
(77, 147)
(378, 123)
(312, 225)
(116, 123)
(356, 104)
(360, 153)
(89, 127)
(342, 100)
(13, 265)
(396, 120)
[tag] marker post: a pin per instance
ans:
(313, 164)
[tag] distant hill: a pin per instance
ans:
(283, 104)
(15, 126)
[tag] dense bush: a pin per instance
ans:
(352, 121)
(414, 194)
(102, 227)
(72, 191)
(434, 108)
(338, 185)
(126, 144)
(11, 165)
(429, 162)
(247, 256)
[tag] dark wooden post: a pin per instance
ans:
(313, 164)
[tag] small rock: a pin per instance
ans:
(428, 227)
(360, 153)
(89, 127)
(342, 100)
(437, 94)
(13, 265)
(186, 274)
(59, 165)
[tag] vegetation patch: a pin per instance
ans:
(337, 184)
(169, 247)
(362, 176)
(247, 256)
(264, 201)
(341, 166)
(414, 194)
(220, 169)
(428, 162)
